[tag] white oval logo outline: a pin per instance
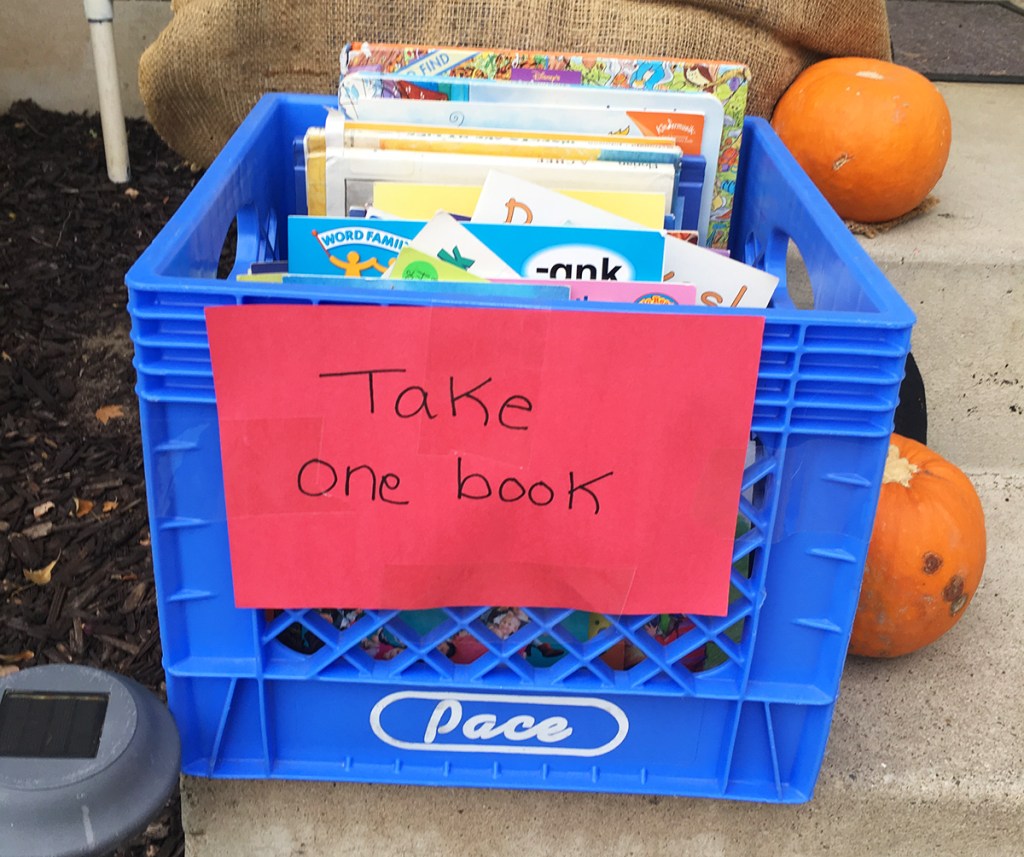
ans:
(609, 708)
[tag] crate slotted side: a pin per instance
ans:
(751, 725)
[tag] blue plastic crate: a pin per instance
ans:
(736, 707)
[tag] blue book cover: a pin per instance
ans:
(576, 252)
(358, 247)
(346, 246)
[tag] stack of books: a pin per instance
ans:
(538, 176)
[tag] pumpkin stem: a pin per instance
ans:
(897, 468)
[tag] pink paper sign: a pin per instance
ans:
(416, 457)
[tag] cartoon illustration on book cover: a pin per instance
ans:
(727, 81)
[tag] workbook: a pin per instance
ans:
(357, 247)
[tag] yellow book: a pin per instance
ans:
(315, 147)
(422, 201)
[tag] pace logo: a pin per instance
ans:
(499, 723)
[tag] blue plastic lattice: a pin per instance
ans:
(736, 706)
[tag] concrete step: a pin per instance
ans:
(926, 751)
(961, 269)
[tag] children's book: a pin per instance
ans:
(413, 264)
(346, 247)
(693, 121)
(653, 294)
(727, 81)
(351, 173)
(508, 199)
(696, 117)
(412, 138)
(419, 202)
(720, 281)
(648, 294)
(447, 240)
(638, 142)
(505, 199)
(575, 253)
(365, 248)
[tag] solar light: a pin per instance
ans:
(87, 758)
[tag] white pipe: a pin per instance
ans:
(100, 14)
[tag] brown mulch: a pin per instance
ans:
(76, 575)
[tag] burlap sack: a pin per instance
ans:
(216, 58)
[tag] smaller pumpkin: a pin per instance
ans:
(926, 555)
(872, 135)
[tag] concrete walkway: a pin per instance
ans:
(926, 755)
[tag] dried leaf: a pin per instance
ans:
(110, 505)
(6, 357)
(38, 531)
(134, 598)
(158, 829)
(83, 507)
(17, 657)
(8, 670)
(40, 576)
(42, 509)
(109, 412)
(131, 193)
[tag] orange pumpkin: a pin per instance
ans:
(926, 554)
(873, 136)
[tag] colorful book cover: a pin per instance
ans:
(523, 144)
(655, 294)
(351, 173)
(679, 120)
(652, 294)
(510, 105)
(728, 81)
(448, 240)
(575, 253)
(365, 248)
(384, 128)
(413, 264)
(346, 246)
